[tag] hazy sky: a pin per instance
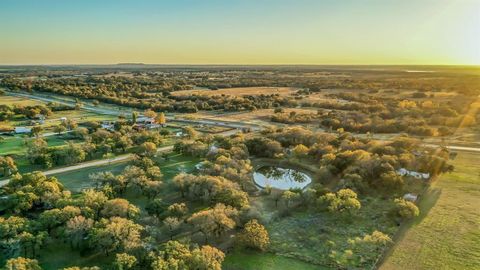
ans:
(240, 31)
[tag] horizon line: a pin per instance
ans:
(297, 64)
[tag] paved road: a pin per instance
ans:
(457, 148)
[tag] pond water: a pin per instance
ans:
(281, 178)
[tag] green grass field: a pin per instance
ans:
(11, 100)
(16, 144)
(242, 260)
(57, 255)
(447, 233)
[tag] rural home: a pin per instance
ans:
(22, 130)
(108, 125)
(410, 197)
(145, 120)
(418, 175)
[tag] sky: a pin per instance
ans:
(367, 32)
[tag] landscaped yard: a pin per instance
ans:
(446, 235)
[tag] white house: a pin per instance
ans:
(410, 197)
(145, 120)
(418, 175)
(108, 125)
(213, 150)
(22, 130)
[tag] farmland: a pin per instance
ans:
(239, 91)
(450, 209)
(351, 132)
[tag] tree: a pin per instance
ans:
(122, 142)
(116, 234)
(50, 219)
(156, 207)
(108, 179)
(254, 235)
(390, 182)
(7, 165)
(120, 208)
(30, 242)
(175, 255)
(124, 261)
(172, 223)
(300, 151)
(80, 132)
(35, 131)
(191, 132)
(148, 149)
(21, 263)
(70, 154)
(213, 189)
(59, 129)
(134, 176)
(151, 189)
(37, 152)
(343, 200)
(94, 200)
(77, 228)
(362, 251)
(206, 258)
(289, 196)
(161, 119)
(134, 117)
(406, 209)
(149, 113)
(214, 221)
(264, 147)
(177, 209)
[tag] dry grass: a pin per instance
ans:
(447, 233)
(263, 114)
(10, 100)
(240, 91)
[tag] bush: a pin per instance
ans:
(406, 209)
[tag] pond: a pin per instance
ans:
(281, 178)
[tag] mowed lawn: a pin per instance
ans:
(447, 233)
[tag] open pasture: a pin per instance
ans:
(239, 91)
(17, 101)
(446, 235)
